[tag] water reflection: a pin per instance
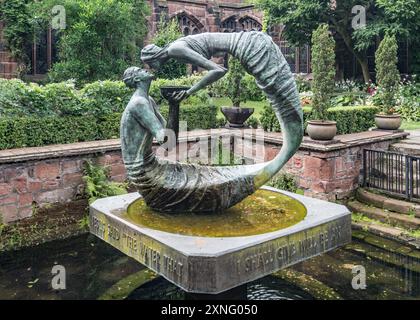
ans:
(93, 267)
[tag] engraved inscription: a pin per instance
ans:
(243, 265)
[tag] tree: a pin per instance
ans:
(302, 17)
(102, 37)
(17, 32)
(323, 66)
(387, 74)
(167, 32)
(234, 88)
(395, 17)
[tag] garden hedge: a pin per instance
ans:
(33, 115)
(19, 132)
(350, 119)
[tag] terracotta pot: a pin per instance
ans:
(237, 116)
(321, 130)
(388, 121)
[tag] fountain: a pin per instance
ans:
(211, 230)
(202, 260)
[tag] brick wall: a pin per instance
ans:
(8, 66)
(29, 183)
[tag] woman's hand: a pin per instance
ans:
(180, 95)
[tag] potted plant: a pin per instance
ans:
(323, 68)
(236, 91)
(387, 78)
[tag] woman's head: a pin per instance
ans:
(153, 55)
(133, 76)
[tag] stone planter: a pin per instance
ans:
(237, 116)
(322, 130)
(388, 121)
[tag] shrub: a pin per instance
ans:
(349, 119)
(34, 115)
(38, 131)
(252, 122)
(269, 121)
(323, 67)
(249, 91)
(353, 119)
(199, 97)
(302, 83)
(408, 101)
(284, 181)
(105, 97)
(387, 74)
(196, 116)
(20, 132)
(15, 16)
(234, 89)
(101, 39)
(98, 184)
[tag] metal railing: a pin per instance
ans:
(392, 172)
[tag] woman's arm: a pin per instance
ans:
(182, 53)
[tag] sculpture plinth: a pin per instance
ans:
(211, 265)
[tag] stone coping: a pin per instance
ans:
(340, 141)
(80, 148)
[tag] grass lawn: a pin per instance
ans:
(410, 125)
(257, 105)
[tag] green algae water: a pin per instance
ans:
(262, 212)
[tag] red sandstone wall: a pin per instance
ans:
(25, 184)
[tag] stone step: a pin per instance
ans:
(391, 218)
(386, 244)
(387, 232)
(410, 140)
(391, 259)
(406, 148)
(384, 202)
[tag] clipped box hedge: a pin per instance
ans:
(33, 115)
(349, 119)
(19, 132)
(353, 119)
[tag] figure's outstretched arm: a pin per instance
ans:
(180, 52)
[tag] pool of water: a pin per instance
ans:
(262, 212)
(93, 267)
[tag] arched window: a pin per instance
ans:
(188, 25)
(229, 25)
(249, 24)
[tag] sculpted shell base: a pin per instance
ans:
(211, 265)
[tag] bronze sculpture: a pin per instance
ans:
(174, 187)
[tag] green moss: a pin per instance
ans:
(314, 287)
(56, 222)
(124, 287)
